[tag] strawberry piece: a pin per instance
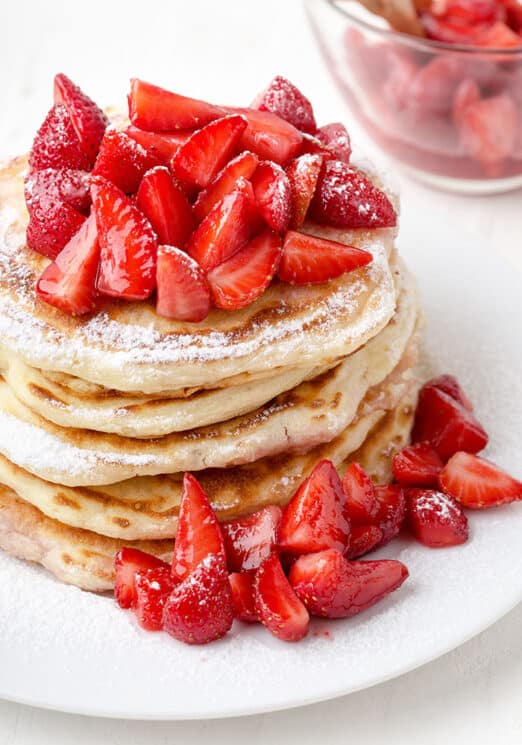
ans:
(199, 610)
(312, 146)
(302, 173)
(128, 244)
(436, 519)
(127, 564)
(281, 97)
(122, 161)
(249, 540)
(242, 587)
(346, 198)
(223, 232)
(199, 159)
(477, 483)
(269, 136)
(165, 206)
(467, 92)
(488, 129)
(51, 226)
(69, 282)
(50, 185)
(309, 260)
(158, 110)
(443, 30)
(242, 278)
(182, 289)
(163, 145)
(316, 516)
(56, 144)
(363, 539)
(273, 195)
(332, 587)
(242, 166)
(497, 36)
(469, 11)
(391, 510)
(359, 491)
(152, 588)
(198, 533)
(336, 139)
(450, 385)
(446, 425)
(277, 606)
(434, 84)
(417, 465)
(87, 118)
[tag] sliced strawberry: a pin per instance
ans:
(277, 606)
(346, 198)
(87, 118)
(359, 490)
(302, 173)
(363, 539)
(332, 587)
(312, 146)
(443, 30)
(477, 483)
(182, 289)
(51, 226)
(488, 128)
(417, 465)
(223, 232)
(56, 144)
(162, 144)
(445, 424)
(242, 166)
(51, 185)
(242, 278)
(469, 12)
(242, 587)
(199, 609)
(436, 519)
(316, 516)
(128, 244)
(158, 110)
(309, 260)
(391, 511)
(152, 588)
(450, 385)
(199, 159)
(281, 97)
(467, 93)
(128, 562)
(122, 161)
(269, 136)
(249, 540)
(336, 139)
(497, 36)
(69, 282)
(166, 207)
(198, 533)
(273, 195)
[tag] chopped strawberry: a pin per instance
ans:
(166, 207)
(281, 97)
(497, 36)
(359, 491)
(128, 244)
(316, 517)
(87, 118)
(56, 144)
(312, 146)
(122, 161)
(199, 159)
(469, 12)
(273, 195)
(363, 539)
(128, 562)
(309, 260)
(69, 282)
(417, 465)
(51, 227)
(249, 540)
(152, 588)
(198, 533)
(445, 424)
(242, 587)
(467, 92)
(336, 139)
(161, 144)
(223, 232)
(332, 587)
(477, 483)
(269, 136)
(346, 198)
(57, 186)
(182, 289)
(277, 606)
(391, 510)
(436, 519)
(242, 166)
(243, 277)
(488, 128)
(443, 30)
(302, 173)
(450, 385)
(158, 110)
(199, 609)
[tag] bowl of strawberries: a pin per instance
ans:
(442, 96)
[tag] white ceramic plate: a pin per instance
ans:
(68, 650)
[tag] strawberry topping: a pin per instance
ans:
(56, 144)
(281, 97)
(163, 145)
(302, 173)
(336, 139)
(51, 226)
(269, 136)
(127, 564)
(249, 540)
(242, 166)
(123, 161)
(87, 118)
(476, 483)
(436, 519)
(273, 195)
(183, 292)
(277, 606)
(50, 186)
(165, 206)
(309, 260)
(359, 491)
(363, 539)
(152, 588)
(158, 110)
(243, 599)
(417, 465)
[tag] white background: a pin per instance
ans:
(226, 51)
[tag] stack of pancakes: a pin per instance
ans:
(100, 417)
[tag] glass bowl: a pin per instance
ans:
(450, 115)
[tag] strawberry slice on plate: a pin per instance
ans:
(391, 510)
(336, 139)
(87, 118)
(165, 206)
(243, 600)
(182, 289)
(450, 385)
(273, 195)
(157, 110)
(303, 173)
(51, 226)
(56, 144)
(250, 539)
(478, 484)
(127, 564)
(359, 490)
(269, 136)
(242, 166)
(69, 282)
(152, 588)
(123, 161)
(128, 244)
(363, 539)
(281, 97)
(436, 519)
(277, 606)
(163, 145)
(309, 260)
(41, 188)
(417, 465)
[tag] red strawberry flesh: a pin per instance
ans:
(417, 465)
(156, 109)
(273, 195)
(182, 290)
(477, 483)
(153, 588)
(166, 207)
(56, 144)
(242, 166)
(277, 606)
(242, 587)
(128, 562)
(436, 519)
(302, 173)
(249, 540)
(87, 118)
(281, 97)
(123, 161)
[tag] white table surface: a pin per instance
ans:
(227, 51)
